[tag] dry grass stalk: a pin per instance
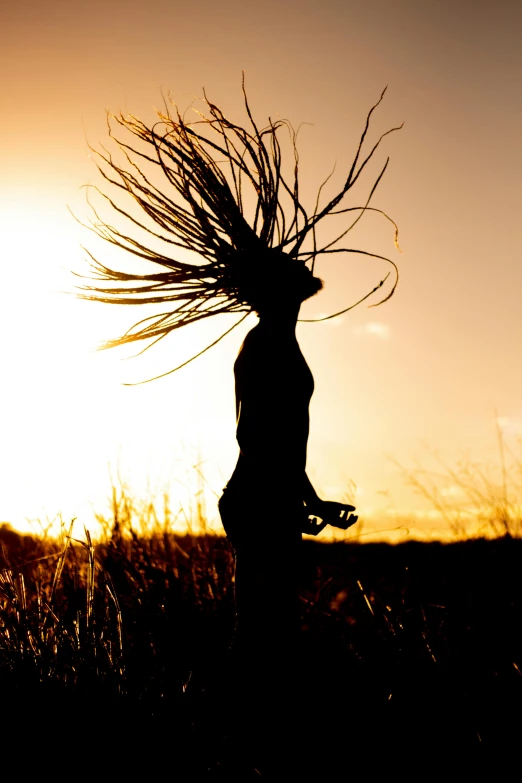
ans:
(60, 624)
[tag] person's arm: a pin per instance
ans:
(310, 496)
(327, 511)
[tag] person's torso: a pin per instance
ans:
(274, 386)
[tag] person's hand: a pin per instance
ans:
(332, 513)
(316, 508)
(339, 514)
(312, 525)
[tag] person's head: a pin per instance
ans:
(280, 283)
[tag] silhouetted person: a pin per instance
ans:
(266, 503)
(237, 259)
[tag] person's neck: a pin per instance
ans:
(281, 321)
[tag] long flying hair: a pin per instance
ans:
(206, 167)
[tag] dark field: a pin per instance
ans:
(114, 657)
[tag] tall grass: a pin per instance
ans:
(75, 613)
(60, 618)
(472, 498)
(415, 642)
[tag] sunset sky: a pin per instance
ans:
(435, 370)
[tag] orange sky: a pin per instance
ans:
(428, 371)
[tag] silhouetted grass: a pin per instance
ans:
(474, 499)
(122, 646)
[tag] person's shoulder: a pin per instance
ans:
(258, 353)
(256, 341)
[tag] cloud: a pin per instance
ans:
(374, 329)
(452, 491)
(509, 426)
